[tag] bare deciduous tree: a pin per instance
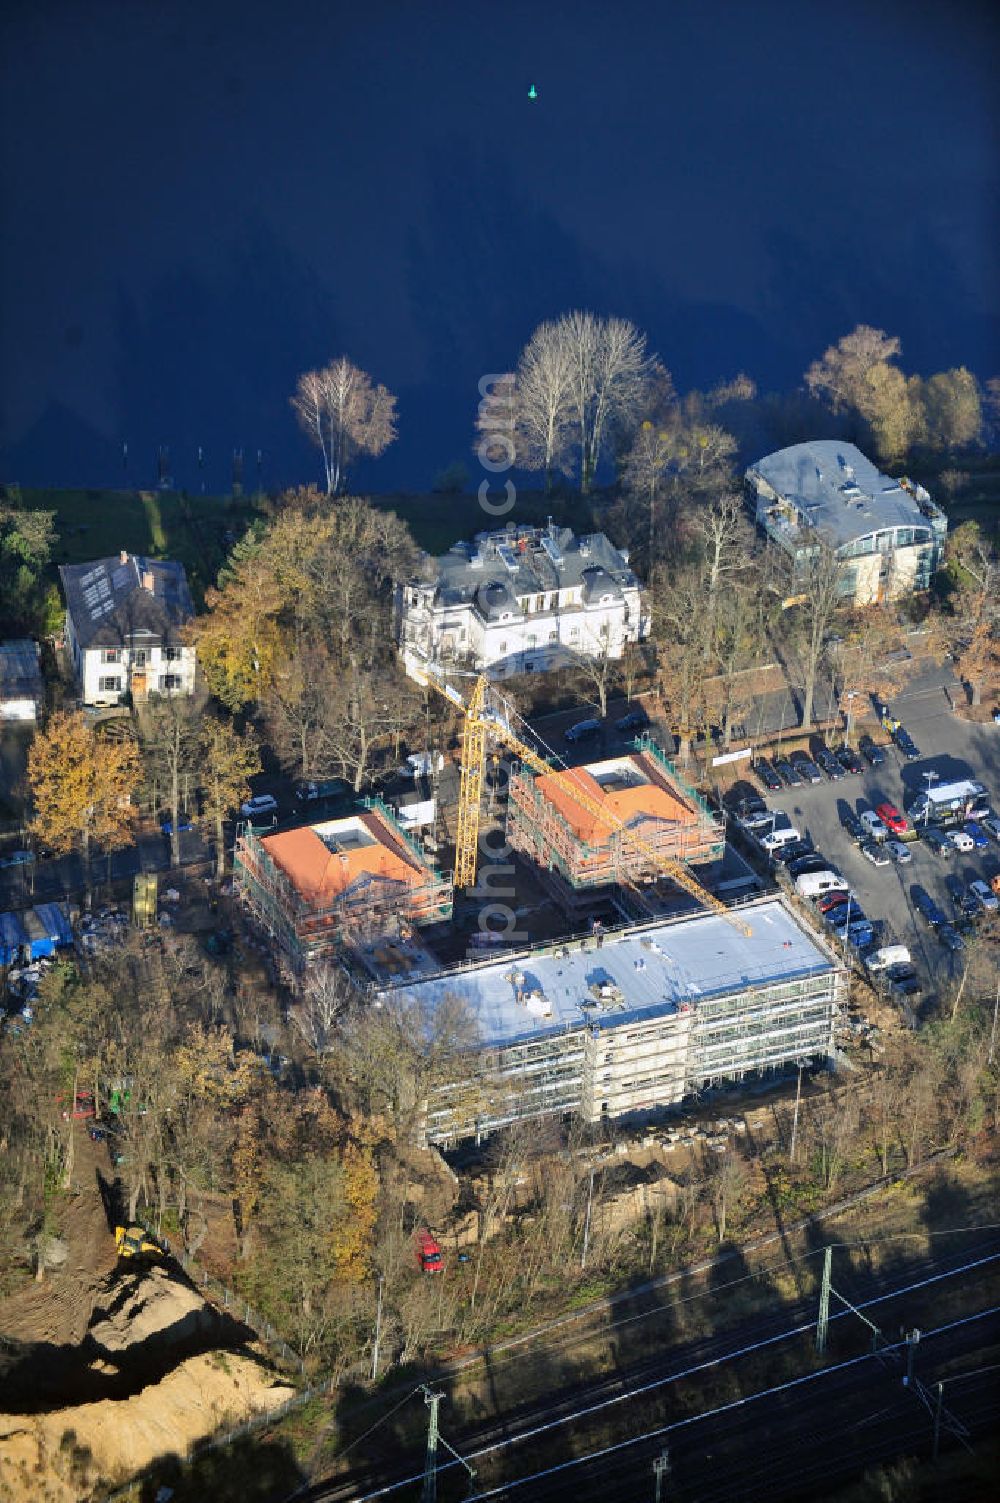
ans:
(544, 391)
(344, 415)
(608, 369)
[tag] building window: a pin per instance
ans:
(110, 684)
(170, 654)
(111, 655)
(170, 680)
(502, 647)
(139, 658)
(553, 636)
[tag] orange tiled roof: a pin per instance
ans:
(623, 804)
(321, 875)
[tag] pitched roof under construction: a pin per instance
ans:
(628, 799)
(325, 861)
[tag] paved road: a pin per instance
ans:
(949, 746)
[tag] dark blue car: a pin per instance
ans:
(977, 835)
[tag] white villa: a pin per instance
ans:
(123, 627)
(888, 533)
(521, 600)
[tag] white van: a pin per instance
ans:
(881, 960)
(777, 838)
(813, 884)
(873, 826)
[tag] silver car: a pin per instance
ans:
(899, 852)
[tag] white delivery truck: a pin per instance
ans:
(814, 884)
(889, 955)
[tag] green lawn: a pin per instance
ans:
(165, 524)
(160, 524)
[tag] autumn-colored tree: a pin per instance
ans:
(228, 762)
(973, 625)
(952, 409)
(82, 784)
(344, 415)
(239, 637)
(842, 376)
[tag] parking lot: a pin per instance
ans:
(954, 749)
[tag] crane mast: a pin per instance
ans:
(479, 723)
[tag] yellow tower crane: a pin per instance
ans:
(481, 720)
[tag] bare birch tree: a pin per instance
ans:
(608, 370)
(344, 415)
(544, 390)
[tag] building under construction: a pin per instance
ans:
(634, 1020)
(583, 856)
(343, 883)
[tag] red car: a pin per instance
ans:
(429, 1253)
(892, 819)
(832, 899)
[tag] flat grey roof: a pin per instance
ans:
(20, 674)
(660, 967)
(838, 489)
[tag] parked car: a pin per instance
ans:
(17, 858)
(928, 909)
(977, 835)
(750, 803)
(961, 841)
(955, 888)
(584, 730)
(873, 826)
(935, 841)
(787, 773)
(987, 900)
(991, 824)
(800, 847)
(873, 755)
(830, 900)
(892, 819)
(805, 767)
(950, 938)
(875, 853)
(906, 744)
(844, 916)
(853, 825)
(322, 789)
(849, 759)
(767, 775)
(167, 824)
(260, 806)
(635, 720)
(803, 865)
(887, 957)
(904, 981)
(829, 764)
(899, 852)
(860, 936)
(761, 819)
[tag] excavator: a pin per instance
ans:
(487, 713)
(135, 1242)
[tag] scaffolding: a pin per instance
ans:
(307, 928)
(538, 828)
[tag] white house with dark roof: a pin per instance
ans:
(888, 533)
(521, 600)
(124, 620)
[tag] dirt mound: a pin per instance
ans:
(70, 1454)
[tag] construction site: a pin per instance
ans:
(626, 1023)
(576, 826)
(354, 883)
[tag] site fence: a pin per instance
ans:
(220, 1295)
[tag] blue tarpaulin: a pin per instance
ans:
(12, 938)
(56, 931)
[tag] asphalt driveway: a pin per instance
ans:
(949, 746)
